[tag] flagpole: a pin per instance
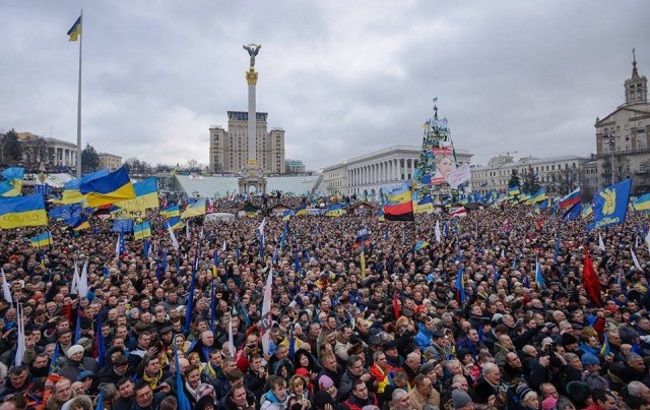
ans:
(81, 35)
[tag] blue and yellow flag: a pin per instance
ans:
(11, 188)
(610, 205)
(287, 214)
(196, 209)
(22, 211)
(81, 224)
(539, 196)
(513, 190)
(171, 211)
(71, 194)
(43, 239)
(142, 231)
(146, 196)
(335, 210)
(75, 30)
(115, 186)
(174, 223)
(301, 210)
(642, 203)
(421, 244)
(424, 205)
(13, 173)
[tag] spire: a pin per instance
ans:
(635, 72)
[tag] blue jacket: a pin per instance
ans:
(423, 338)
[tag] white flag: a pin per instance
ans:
(20, 345)
(6, 290)
(74, 288)
(188, 235)
(231, 339)
(266, 314)
(201, 233)
(173, 237)
(636, 261)
(83, 281)
(647, 240)
(503, 252)
(438, 233)
(223, 247)
(601, 244)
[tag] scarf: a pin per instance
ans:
(152, 381)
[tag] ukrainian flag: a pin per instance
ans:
(302, 210)
(642, 203)
(513, 190)
(286, 215)
(75, 30)
(81, 224)
(335, 210)
(108, 189)
(174, 223)
(146, 196)
(43, 239)
(424, 205)
(196, 209)
(539, 196)
(141, 231)
(171, 211)
(11, 188)
(22, 211)
(13, 173)
(586, 211)
(421, 245)
(71, 194)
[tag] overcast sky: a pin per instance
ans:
(342, 78)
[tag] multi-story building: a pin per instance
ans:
(365, 174)
(51, 152)
(229, 148)
(556, 173)
(109, 161)
(293, 166)
(623, 138)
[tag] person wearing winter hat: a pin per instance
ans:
(591, 374)
(461, 400)
(76, 363)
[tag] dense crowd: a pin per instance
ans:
(399, 335)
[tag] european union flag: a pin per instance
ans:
(122, 225)
(610, 205)
(573, 213)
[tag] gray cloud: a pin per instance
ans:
(342, 79)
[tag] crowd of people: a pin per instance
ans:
(462, 322)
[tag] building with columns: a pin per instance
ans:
(109, 161)
(49, 151)
(229, 148)
(623, 137)
(365, 174)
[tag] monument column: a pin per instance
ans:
(251, 78)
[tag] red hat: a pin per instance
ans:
(302, 372)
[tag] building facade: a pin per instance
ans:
(293, 166)
(229, 148)
(109, 161)
(623, 138)
(557, 174)
(365, 174)
(51, 152)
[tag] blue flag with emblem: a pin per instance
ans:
(610, 205)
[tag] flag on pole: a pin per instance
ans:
(260, 237)
(120, 245)
(20, 342)
(99, 341)
(265, 324)
(539, 277)
(231, 339)
(647, 240)
(460, 285)
(601, 244)
(172, 236)
(590, 279)
(190, 296)
(6, 289)
(77, 329)
(74, 287)
(75, 30)
(438, 232)
(83, 281)
(183, 402)
(636, 261)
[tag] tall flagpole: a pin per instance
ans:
(81, 37)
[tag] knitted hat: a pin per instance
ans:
(325, 382)
(589, 358)
(460, 398)
(72, 350)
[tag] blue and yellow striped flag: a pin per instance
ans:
(174, 223)
(22, 211)
(171, 211)
(75, 30)
(141, 231)
(43, 239)
(105, 190)
(196, 209)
